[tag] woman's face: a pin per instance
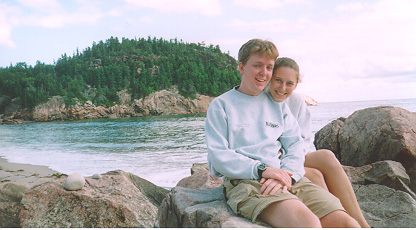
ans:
(283, 82)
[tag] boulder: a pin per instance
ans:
(384, 207)
(117, 199)
(200, 177)
(10, 196)
(198, 201)
(327, 137)
(374, 134)
(199, 208)
(388, 173)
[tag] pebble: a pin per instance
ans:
(74, 182)
(96, 176)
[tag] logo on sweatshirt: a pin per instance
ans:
(272, 125)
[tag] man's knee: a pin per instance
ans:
(339, 219)
(290, 213)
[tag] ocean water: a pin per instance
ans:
(160, 149)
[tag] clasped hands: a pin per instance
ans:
(275, 179)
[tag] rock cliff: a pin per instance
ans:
(164, 102)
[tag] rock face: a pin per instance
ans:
(117, 199)
(10, 196)
(372, 134)
(384, 207)
(165, 102)
(200, 177)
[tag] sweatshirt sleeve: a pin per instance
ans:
(222, 160)
(304, 121)
(294, 157)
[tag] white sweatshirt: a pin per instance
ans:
(301, 113)
(244, 131)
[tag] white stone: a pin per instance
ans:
(74, 182)
(96, 176)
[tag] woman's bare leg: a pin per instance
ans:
(316, 177)
(337, 181)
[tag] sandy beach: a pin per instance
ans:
(25, 173)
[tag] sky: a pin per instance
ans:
(347, 50)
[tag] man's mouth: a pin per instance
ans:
(260, 80)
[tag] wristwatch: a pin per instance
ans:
(293, 181)
(260, 169)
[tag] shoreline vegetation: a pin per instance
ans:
(98, 74)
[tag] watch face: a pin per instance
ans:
(262, 167)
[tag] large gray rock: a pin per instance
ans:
(10, 196)
(198, 201)
(372, 134)
(118, 199)
(389, 173)
(200, 177)
(199, 208)
(384, 207)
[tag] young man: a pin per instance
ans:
(255, 143)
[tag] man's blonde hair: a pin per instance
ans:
(257, 46)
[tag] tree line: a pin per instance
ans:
(141, 66)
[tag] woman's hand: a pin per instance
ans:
(283, 176)
(271, 186)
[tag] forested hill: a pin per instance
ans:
(141, 66)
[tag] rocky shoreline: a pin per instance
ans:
(383, 180)
(164, 102)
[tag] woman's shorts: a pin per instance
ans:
(244, 198)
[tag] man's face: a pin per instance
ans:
(255, 74)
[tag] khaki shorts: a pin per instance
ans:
(244, 198)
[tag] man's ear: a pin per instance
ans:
(241, 68)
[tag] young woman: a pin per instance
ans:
(321, 166)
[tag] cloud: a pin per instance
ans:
(267, 4)
(259, 4)
(8, 19)
(206, 7)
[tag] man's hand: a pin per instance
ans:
(283, 176)
(271, 186)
